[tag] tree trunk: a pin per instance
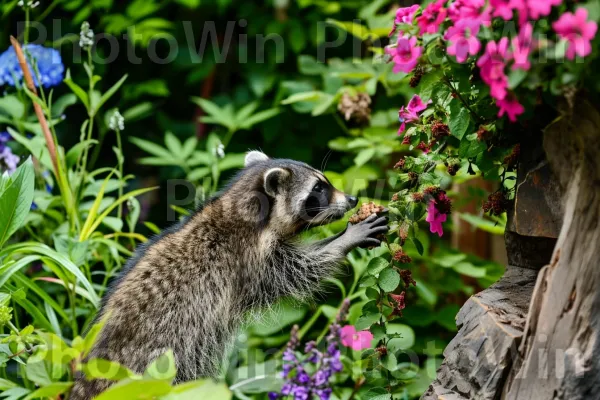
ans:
(533, 335)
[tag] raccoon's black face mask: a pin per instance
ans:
(325, 203)
(298, 194)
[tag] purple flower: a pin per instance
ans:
(324, 394)
(299, 384)
(8, 160)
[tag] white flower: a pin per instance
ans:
(30, 4)
(116, 121)
(219, 151)
(86, 36)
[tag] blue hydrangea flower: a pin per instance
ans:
(49, 64)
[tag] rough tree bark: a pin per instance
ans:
(534, 334)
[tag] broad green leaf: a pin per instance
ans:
(52, 390)
(105, 369)
(389, 279)
(205, 390)
(459, 123)
(16, 200)
(163, 367)
(364, 156)
(37, 373)
(136, 390)
(468, 269)
(376, 265)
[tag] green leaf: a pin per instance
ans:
(16, 200)
(53, 390)
(75, 88)
(220, 115)
(459, 123)
(376, 265)
(471, 148)
(418, 245)
(389, 361)
(468, 269)
(163, 367)
(109, 93)
(75, 151)
(205, 390)
(364, 156)
(308, 65)
(105, 369)
(173, 144)
(136, 390)
(365, 321)
(37, 373)
(259, 117)
(151, 148)
(389, 279)
(11, 105)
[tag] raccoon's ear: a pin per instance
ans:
(274, 180)
(254, 156)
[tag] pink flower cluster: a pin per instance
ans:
(410, 113)
(467, 17)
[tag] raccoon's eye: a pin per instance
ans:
(318, 187)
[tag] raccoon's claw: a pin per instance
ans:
(364, 233)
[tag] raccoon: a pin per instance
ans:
(189, 289)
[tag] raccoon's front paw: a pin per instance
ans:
(364, 233)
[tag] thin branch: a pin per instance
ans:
(38, 109)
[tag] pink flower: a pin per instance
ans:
(539, 8)
(522, 46)
(355, 340)
(492, 64)
(432, 17)
(406, 54)
(435, 219)
(463, 39)
(503, 8)
(410, 113)
(510, 106)
(576, 29)
(404, 15)
(469, 9)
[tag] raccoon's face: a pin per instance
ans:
(301, 195)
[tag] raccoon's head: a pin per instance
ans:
(300, 195)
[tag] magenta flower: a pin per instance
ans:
(492, 64)
(432, 17)
(522, 46)
(469, 9)
(406, 54)
(510, 106)
(463, 39)
(355, 340)
(540, 8)
(576, 29)
(404, 15)
(410, 113)
(503, 8)
(435, 219)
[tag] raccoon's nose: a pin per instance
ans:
(353, 201)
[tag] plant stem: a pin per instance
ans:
(120, 147)
(462, 100)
